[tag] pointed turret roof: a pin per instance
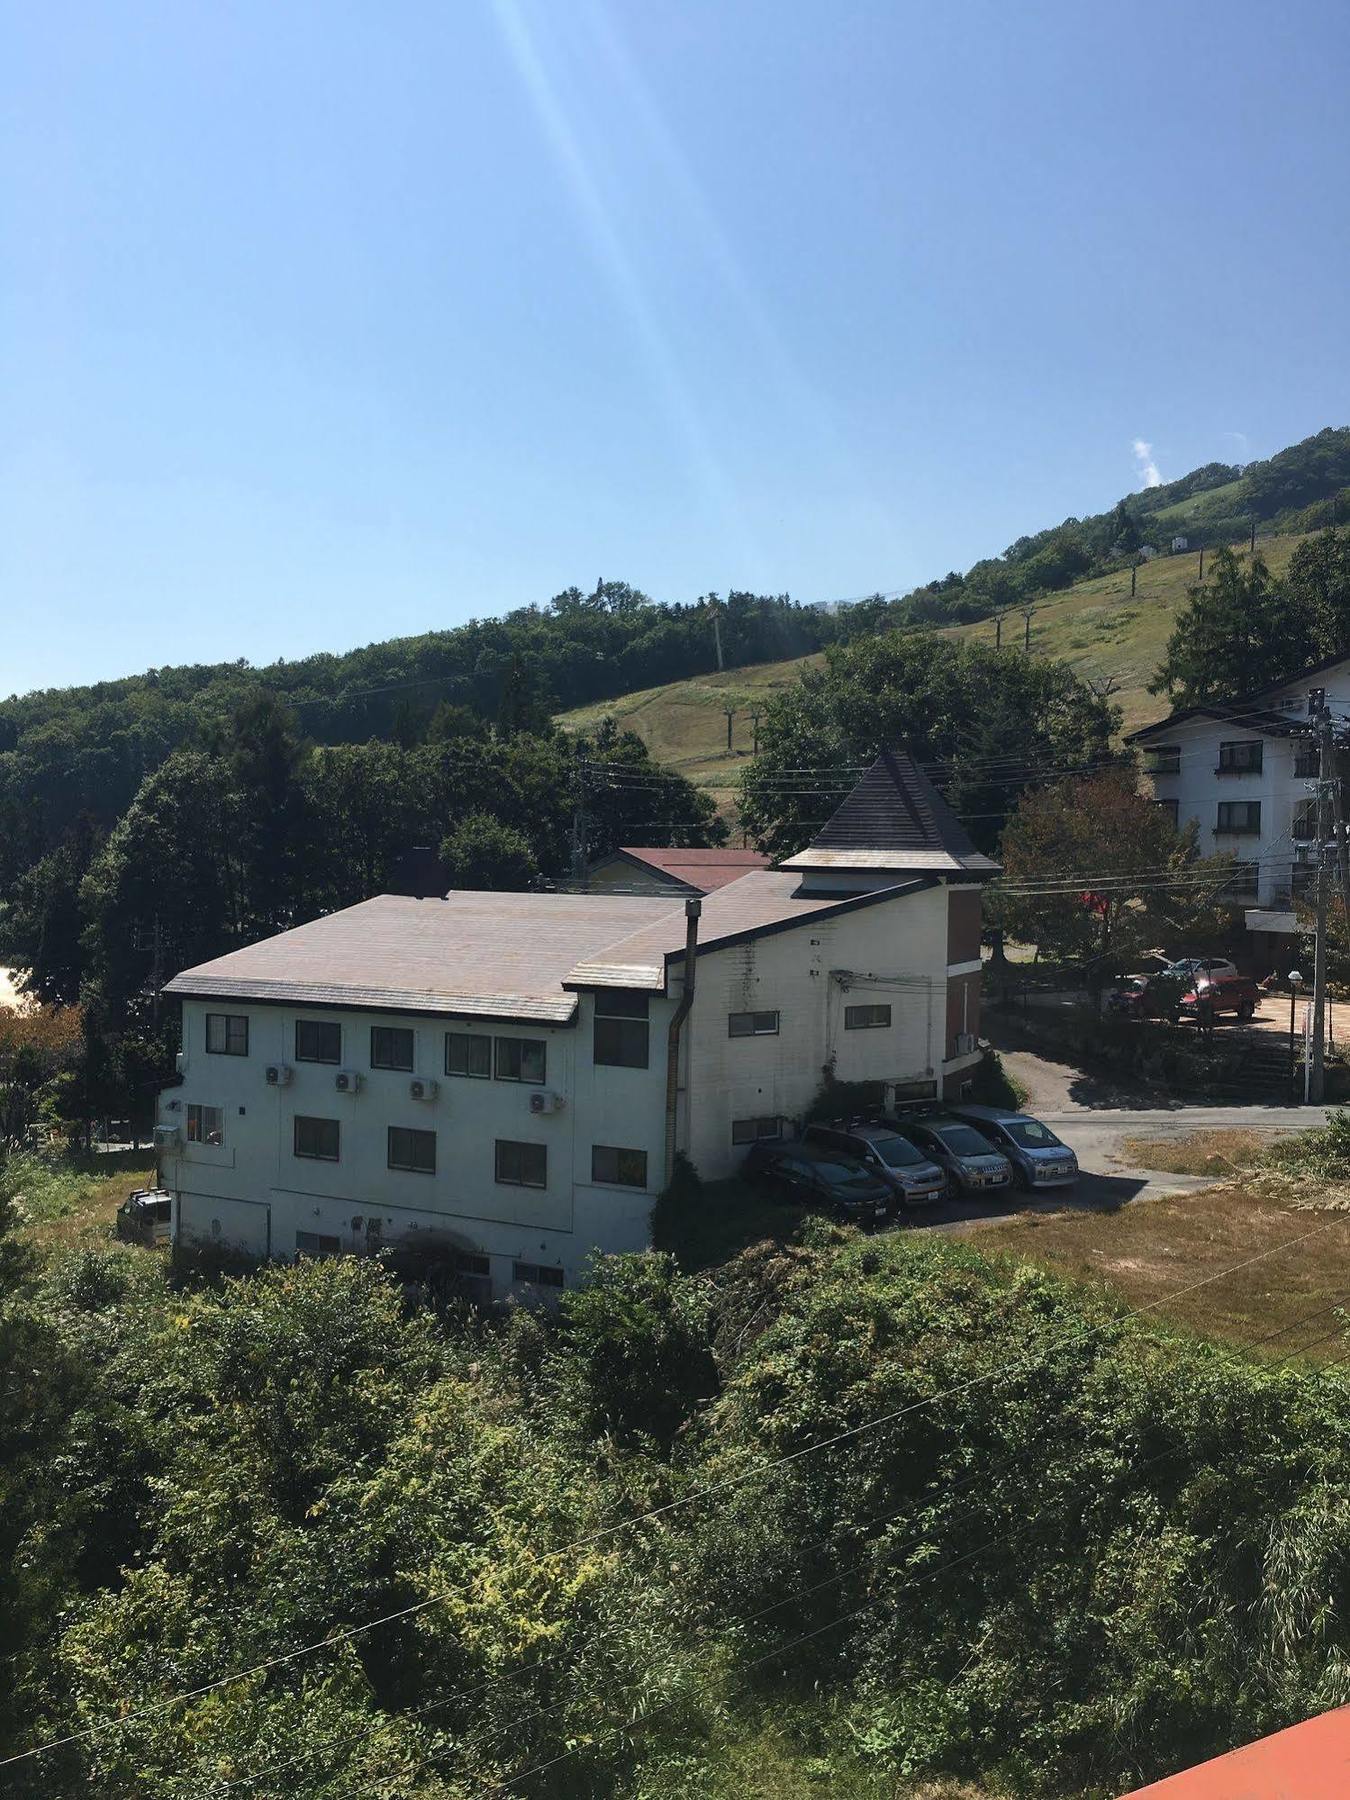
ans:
(895, 819)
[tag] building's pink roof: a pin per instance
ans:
(701, 869)
(1307, 1762)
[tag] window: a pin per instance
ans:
(468, 1054)
(621, 1168)
(1241, 757)
(1307, 763)
(205, 1125)
(391, 1047)
(316, 1243)
(522, 1165)
(412, 1150)
(1162, 759)
(866, 1018)
(316, 1138)
(317, 1040)
(227, 1034)
(1239, 815)
(1305, 819)
(749, 1131)
(520, 1059)
(752, 1024)
(1169, 807)
(621, 1029)
(469, 1262)
(538, 1273)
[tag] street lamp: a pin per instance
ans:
(1295, 983)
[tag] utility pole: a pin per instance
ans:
(1026, 641)
(730, 711)
(754, 731)
(1134, 578)
(1326, 762)
(579, 824)
(1202, 562)
(998, 631)
(1252, 546)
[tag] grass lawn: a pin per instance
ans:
(1218, 1153)
(1151, 1247)
(59, 1208)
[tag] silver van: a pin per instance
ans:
(146, 1216)
(1038, 1157)
(906, 1170)
(969, 1162)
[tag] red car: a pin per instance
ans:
(1218, 994)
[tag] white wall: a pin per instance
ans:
(737, 1078)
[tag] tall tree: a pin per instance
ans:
(1236, 632)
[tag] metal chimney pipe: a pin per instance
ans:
(692, 909)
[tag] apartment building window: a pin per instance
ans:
(1241, 757)
(1307, 763)
(468, 1053)
(469, 1262)
(752, 1024)
(622, 1029)
(1244, 884)
(316, 1139)
(540, 1274)
(521, 1165)
(1239, 815)
(318, 1041)
(1305, 820)
(619, 1168)
(206, 1125)
(317, 1243)
(227, 1034)
(521, 1059)
(1163, 759)
(866, 1018)
(391, 1047)
(414, 1151)
(750, 1131)
(1169, 807)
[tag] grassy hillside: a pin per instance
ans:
(1094, 626)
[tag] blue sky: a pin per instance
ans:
(321, 323)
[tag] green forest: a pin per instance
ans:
(833, 1517)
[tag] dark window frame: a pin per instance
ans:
(755, 1029)
(755, 1134)
(317, 1243)
(322, 1026)
(1241, 756)
(316, 1155)
(617, 1151)
(1251, 813)
(513, 1145)
(517, 1047)
(538, 1274)
(412, 1133)
(854, 1022)
(623, 1022)
(230, 1021)
(390, 1031)
(475, 1038)
(199, 1107)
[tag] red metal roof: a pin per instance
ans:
(705, 870)
(1307, 1762)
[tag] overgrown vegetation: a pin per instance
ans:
(1048, 1549)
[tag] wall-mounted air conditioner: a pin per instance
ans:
(167, 1137)
(347, 1081)
(421, 1087)
(278, 1074)
(546, 1103)
(966, 1043)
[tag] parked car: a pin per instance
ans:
(1219, 994)
(1146, 997)
(1039, 1159)
(968, 1160)
(825, 1180)
(145, 1216)
(912, 1178)
(1194, 968)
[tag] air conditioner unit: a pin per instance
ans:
(546, 1103)
(279, 1074)
(347, 1081)
(966, 1043)
(167, 1137)
(422, 1088)
(180, 1061)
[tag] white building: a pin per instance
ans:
(1246, 772)
(508, 1076)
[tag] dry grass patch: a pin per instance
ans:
(1273, 1263)
(59, 1207)
(1219, 1153)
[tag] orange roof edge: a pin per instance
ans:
(1307, 1762)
